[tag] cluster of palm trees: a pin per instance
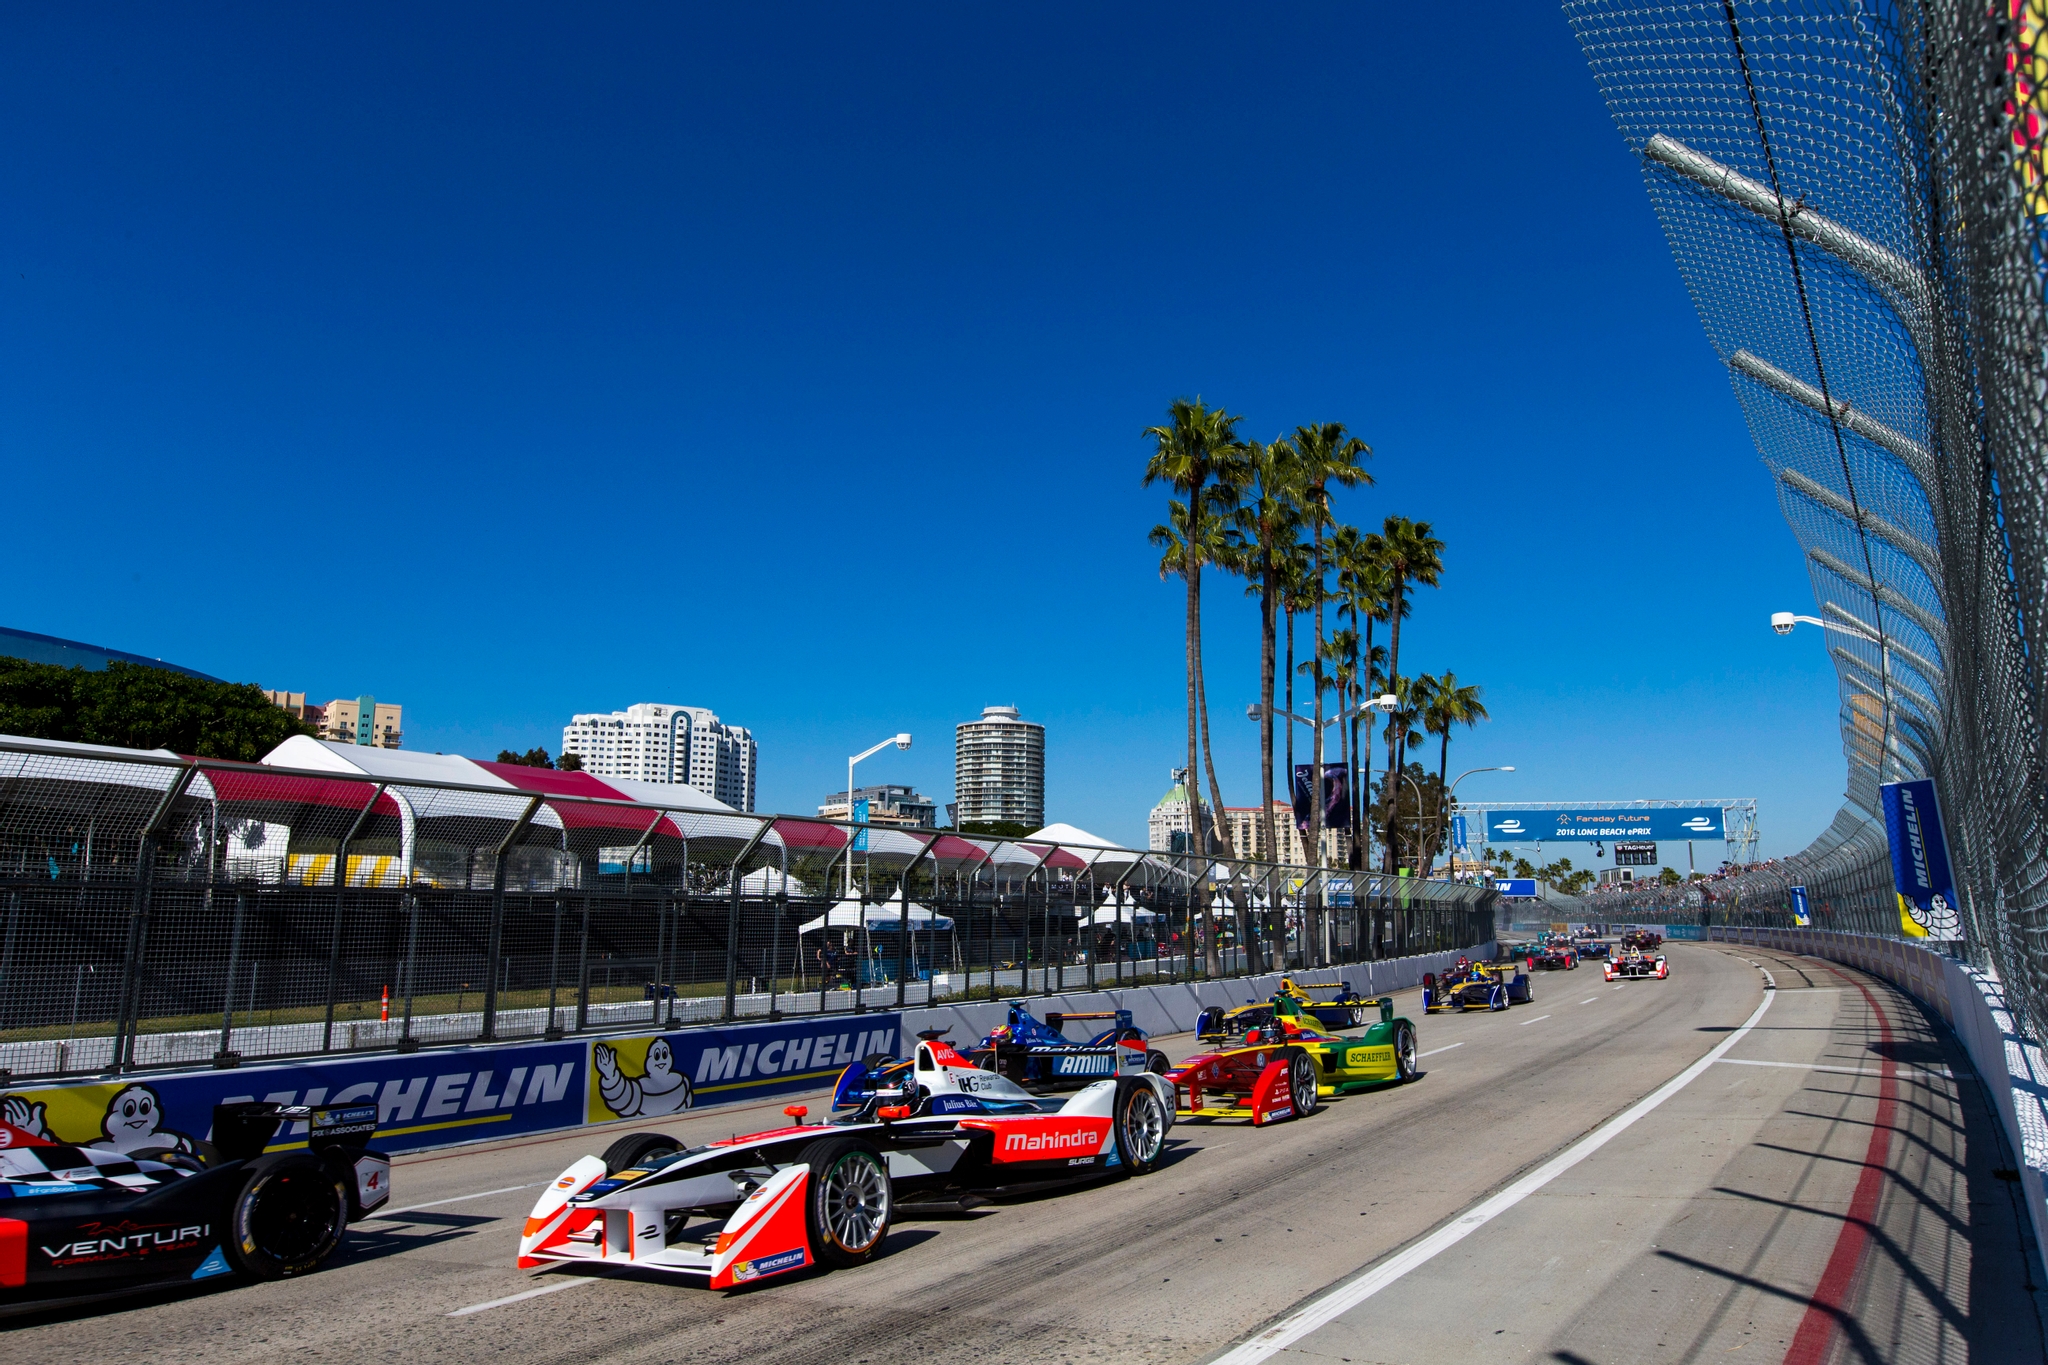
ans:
(1262, 511)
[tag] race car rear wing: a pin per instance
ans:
(241, 1131)
(1055, 1020)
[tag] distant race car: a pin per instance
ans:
(1635, 964)
(1649, 940)
(1555, 953)
(943, 1133)
(1470, 985)
(1040, 1056)
(88, 1220)
(1594, 947)
(1224, 1083)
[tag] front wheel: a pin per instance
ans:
(1156, 1063)
(1301, 1083)
(637, 1149)
(1404, 1052)
(848, 1202)
(288, 1217)
(1140, 1125)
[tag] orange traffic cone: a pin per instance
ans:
(384, 1010)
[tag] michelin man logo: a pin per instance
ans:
(660, 1090)
(134, 1120)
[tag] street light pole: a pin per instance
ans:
(1444, 815)
(1784, 622)
(901, 742)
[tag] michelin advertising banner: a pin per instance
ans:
(435, 1099)
(1676, 823)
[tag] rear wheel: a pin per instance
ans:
(288, 1217)
(1404, 1052)
(637, 1149)
(1156, 1063)
(848, 1202)
(1301, 1081)
(1140, 1125)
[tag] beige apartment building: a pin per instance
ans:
(364, 720)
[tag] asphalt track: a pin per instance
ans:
(1825, 1190)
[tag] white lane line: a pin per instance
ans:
(458, 1199)
(1589, 1000)
(1348, 1296)
(1624, 985)
(529, 1294)
(1942, 1072)
(1537, 1020)
(1433, 1051)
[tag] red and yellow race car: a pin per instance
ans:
(1284, 1067)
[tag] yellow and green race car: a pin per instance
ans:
(1342, 1064)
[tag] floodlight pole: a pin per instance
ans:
(901, 742)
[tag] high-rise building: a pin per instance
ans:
(364, 720)
(1170, 815)
(999, 768)
(887, 805)
(652, 742)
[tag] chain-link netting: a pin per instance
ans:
(1853, 193)
(161, 912)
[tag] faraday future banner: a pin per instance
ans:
(1544, 826)
(468, 1094)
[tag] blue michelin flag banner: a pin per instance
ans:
(860, 836)
(1458, 836)
(1801, 916)
(1544, 826)
(1920, 867)
(469, 1094)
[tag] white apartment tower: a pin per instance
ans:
(999, 768)
(650, 742)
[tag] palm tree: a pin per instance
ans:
(1264, 536)
(1411, 555)
(1329, 455)
(1412, 701)
(1361, 591)
(1450, 703)
(1197, 444)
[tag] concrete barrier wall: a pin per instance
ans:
(1972, 1003)
(1172, 1008)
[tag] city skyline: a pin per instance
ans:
(375, 288)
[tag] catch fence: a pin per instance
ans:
(1854, 194)
(157, 911)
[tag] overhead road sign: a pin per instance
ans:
(1589, 824)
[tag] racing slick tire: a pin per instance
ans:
(1141, 1121)
(1301, 1083)
(1497, 998)
(1404, 1052)
(1156, 1063)
(287, 1218)
(848, 1201)
(635, 1148)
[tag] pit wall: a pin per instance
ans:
(445, 1097)
(2012, 1066)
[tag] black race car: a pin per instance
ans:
(84, 1220)
(1042, 1057)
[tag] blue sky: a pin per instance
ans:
(509, 363)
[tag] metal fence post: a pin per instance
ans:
(225, 1056)
(340, 908)
(732, 921)
(406, 1042)
(496, 943)
(553, 1028)
(127, 1016)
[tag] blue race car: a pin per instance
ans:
(1040, 1055)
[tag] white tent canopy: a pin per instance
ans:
(771, 881)
(877, 917)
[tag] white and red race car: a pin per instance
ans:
(938, 1131)
(1637, 965)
